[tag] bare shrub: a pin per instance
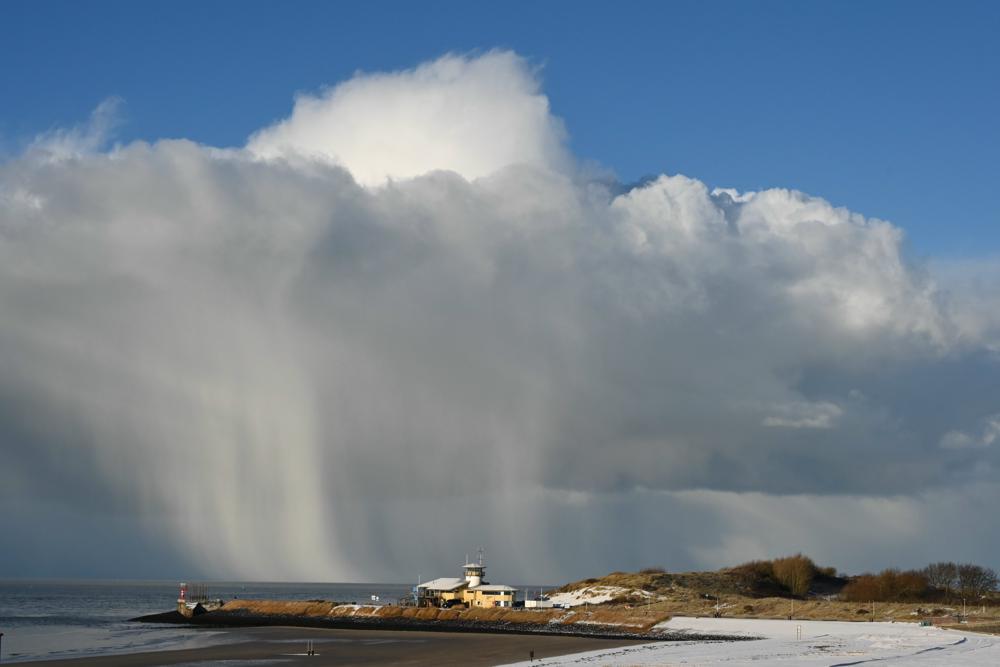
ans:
(754, 573)
(861, 588)
(652, 570)
(794, 573)
(890, 585)
(911, 585)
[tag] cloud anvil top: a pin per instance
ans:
(407, 308)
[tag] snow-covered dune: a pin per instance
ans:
(595, 595)
(790, 643)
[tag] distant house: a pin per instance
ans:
(469, 591)
(538, 602)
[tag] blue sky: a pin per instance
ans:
(888, 108)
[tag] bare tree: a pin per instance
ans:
(942, 576)
(975, 580)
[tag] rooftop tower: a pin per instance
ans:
(474, 572)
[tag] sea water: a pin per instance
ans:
(67, 619)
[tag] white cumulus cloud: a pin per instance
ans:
(280, 371)
(86, 138)
(472, 116)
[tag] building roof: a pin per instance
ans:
(491, 587)
(443, 584)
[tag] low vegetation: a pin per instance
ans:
(788, 587)
(620, 617)
(939, 582)
(795, 586)
(794, 576)
(890, 585)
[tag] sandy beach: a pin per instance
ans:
(282, 645)
(799, 643)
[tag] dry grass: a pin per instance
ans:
(690, 603)
(628, 580)
(631, 618)
(723, 582)
(600, 615)
(686, 594)
(620, 616)
(986, 627)
(280, 607)
(699, 593)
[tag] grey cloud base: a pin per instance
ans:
(282, 374)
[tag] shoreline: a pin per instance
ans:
(337, 646)
(530, 624)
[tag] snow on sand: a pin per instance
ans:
(593, 595)
(829, 643)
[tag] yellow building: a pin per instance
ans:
(469, 591)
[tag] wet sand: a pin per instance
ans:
(286, 646)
